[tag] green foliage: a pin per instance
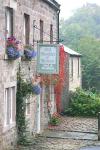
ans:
(54, 121)
(23, 90)
(84, 103)
(82, 33)
(90, 49)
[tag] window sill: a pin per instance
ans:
(6, 58)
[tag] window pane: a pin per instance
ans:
(26, 28)
(10, 105)
(9, 21)
(51, 33)
(7, 93)
(27, 106)
(41, 31)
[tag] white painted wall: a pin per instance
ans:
(75, 79)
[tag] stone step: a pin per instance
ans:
(70, 135)
(91, 148)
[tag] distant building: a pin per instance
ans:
(73, 74)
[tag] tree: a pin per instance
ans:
(90, 49)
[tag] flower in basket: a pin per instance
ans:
(13, 50)
(36, 89)
(55, 79)
(29, 52)
(55, 120)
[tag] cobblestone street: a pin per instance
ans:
(77, 124)
(71, 134)
(62, 144)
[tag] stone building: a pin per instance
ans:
(29, 21)
(73, 74)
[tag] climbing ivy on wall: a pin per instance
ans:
(59, 87)
(23, 90)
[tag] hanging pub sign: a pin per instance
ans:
(48, 59)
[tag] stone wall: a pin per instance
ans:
(37, 9)
(65, 90)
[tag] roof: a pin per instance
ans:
(53, 3)
(70, 51)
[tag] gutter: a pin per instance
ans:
(58, 12)
(53, 4)
(72, 55)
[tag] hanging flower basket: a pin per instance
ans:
(12, 53)
(29, 52)
(13, 48)
(36, 89)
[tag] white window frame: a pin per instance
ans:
(27, 105)
(52, 98)
(51, 92)
(12, 122)
(9, 21)
(71, 67)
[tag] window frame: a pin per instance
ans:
(72, 67)
(41, 30)
(12, 119)
(51, 33)
(9, 21)
(28, 111)
(27, 28)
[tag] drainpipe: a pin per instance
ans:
(58, 12)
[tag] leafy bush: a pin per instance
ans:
(55, 119)
(83, 103)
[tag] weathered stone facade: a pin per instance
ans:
(37, 10)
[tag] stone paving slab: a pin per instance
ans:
(63, 144)
(71, 135)
(91, 148)
(89, 125)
